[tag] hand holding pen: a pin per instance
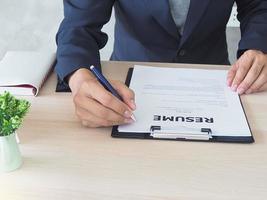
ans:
(107, 85)
(97, 105)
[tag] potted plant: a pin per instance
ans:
(12, 111)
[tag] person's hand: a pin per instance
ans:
(97, 107)
(249, 73)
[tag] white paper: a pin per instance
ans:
(186, 98)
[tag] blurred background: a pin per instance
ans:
(32, 25)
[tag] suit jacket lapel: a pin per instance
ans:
(196, 10)
(160, 10)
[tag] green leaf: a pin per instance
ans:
(12, 111)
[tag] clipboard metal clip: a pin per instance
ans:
(180, 132)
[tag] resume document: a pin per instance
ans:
(185, 99)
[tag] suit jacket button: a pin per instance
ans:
(182, 52)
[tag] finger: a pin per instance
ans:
(251, 76)
(263, 88)
(244, 64)
(89, 124)
(99, 93)
(90, 120)
(96, 109)
(259, 83)
(231, 74)
(126, 93)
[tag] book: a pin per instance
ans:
(24, 72)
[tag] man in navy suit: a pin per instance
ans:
(181, 31)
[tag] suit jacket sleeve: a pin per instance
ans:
(79, 37)
(252, 15)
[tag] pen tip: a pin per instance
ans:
(133, 117)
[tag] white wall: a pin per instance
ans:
(28, 24)
(32, 25)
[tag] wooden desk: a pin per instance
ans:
(63, 160)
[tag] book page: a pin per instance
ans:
(189, 98)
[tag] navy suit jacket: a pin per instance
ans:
(146, 31)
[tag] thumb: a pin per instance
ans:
(126, 93)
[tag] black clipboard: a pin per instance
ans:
(227, 139)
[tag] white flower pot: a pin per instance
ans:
(10, 156)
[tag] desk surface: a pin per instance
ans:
(63, 160)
